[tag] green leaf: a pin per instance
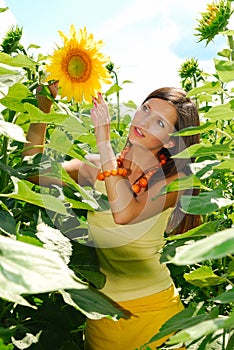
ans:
(127, 82)
(28, 269)
(17, 61)
(7, 223)
(94, 304)
(2, 345)
(69, 123)
(23, 192)
(223, 112)
(227, 164)
(203, 277)
(216, 246)
(202, 329)
(86, 200)
(198, 150)
(225, 70)
(194, 130)
(12, 131)
(180, 321)
(184, 183)
(225, 53)
(207, 88)
(17, 94)
(33, 46)
(114, 89)
(202, 230)
(3, 9)
(54, 240)
(225, 298)
(130, 104)
(60, 142)
(84, 262)
(4, 70)
(205, 202)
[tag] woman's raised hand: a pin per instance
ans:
(101, 120)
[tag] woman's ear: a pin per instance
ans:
(170, 143)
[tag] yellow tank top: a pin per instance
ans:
(129, 254)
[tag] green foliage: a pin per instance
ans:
(49, 274)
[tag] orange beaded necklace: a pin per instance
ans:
(142, 182)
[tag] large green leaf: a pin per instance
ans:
(204, 277)
(54, 240)
(28, 269)
(185, 318)
(17, 61)
(221, 112)
(184, 183)
(69, 123)
(95, 305)
(12, 131)
(202, 230)
(60, 142)
(17, 95)
(225, 298)
(23, 192)
(202, 329)
(194, 130)
(207, 88)
(227, 164)
(83, 198)
(216, 246)
(205, 202)
(225, 70)
(4, 70)
(198, 150)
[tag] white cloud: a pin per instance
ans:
(7, 19)
(140, 40)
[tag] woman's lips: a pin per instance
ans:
(138, 132)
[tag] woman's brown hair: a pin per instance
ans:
(187, 116)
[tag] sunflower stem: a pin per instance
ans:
(231, 45)
(118, 103)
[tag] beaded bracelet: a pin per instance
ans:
(102, 175)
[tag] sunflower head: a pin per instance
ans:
(214, 20)
(78, 66)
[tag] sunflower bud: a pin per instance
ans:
(110, 67)
(11, 41)
(214, 20)
(190, 73)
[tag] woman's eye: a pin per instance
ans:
(145, 108)
(161, 123)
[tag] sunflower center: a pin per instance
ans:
(78, 66)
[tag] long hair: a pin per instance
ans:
(187, 115)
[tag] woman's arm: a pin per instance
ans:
(79, 171)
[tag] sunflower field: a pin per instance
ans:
(49, 276)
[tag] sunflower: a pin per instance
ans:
(214, 20)
(79, 66)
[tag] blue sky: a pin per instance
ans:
(147, 39)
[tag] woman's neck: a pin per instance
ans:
(139, 160)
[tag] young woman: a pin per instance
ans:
(128, 237)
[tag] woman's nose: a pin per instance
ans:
(146, 120)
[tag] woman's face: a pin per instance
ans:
(152, 124)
